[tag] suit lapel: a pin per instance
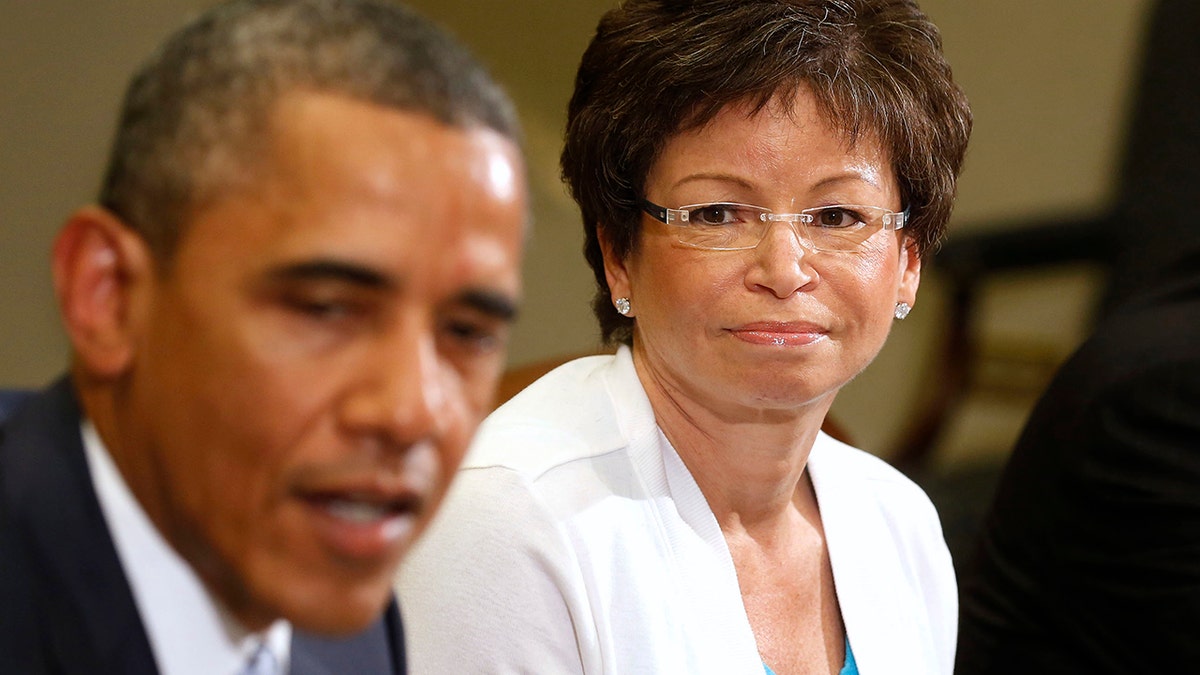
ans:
(86, 618)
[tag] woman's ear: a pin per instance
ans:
(100, 266)
(615, 270)
(910, 272)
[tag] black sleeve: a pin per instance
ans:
(1089, 561)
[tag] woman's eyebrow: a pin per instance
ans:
(715, 177)
(870, 177)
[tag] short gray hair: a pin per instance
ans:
(195, 116)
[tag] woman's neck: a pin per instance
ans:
(749, 463)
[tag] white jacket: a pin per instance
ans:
(574, 540)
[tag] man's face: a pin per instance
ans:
(313, 364)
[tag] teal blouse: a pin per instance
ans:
(848, 668)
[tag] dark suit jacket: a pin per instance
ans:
(10, 399)
(1090, 558)
(65, 603)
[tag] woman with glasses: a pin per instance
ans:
(759, 181)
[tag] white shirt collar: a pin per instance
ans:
(189, 632)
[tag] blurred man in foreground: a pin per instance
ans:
(288, 313)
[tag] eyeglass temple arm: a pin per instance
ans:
(658, 212)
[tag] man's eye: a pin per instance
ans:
(477, 336)
(320, 308)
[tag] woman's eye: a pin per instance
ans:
(836, 218)
(714, 214)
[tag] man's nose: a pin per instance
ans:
(402, 393)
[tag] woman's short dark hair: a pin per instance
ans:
(656, 68)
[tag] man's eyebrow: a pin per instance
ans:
(489, 302)
(493, 303)
(331, 270)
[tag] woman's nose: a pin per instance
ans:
(781, 262)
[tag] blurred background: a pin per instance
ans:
(1052, 86)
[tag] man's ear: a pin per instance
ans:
(615, 270)
(910, 272)
(100, 269)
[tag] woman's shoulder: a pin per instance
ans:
(565, 389)
(574, 412)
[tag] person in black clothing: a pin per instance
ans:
(1089, 560)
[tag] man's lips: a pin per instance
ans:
(359, 509)
(363, 507)
(364, 522)
(779, 333)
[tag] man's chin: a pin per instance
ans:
(338, 614)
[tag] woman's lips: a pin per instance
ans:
(779, 334)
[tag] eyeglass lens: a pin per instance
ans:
(740, 226)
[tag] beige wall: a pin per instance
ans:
(1047, 80)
